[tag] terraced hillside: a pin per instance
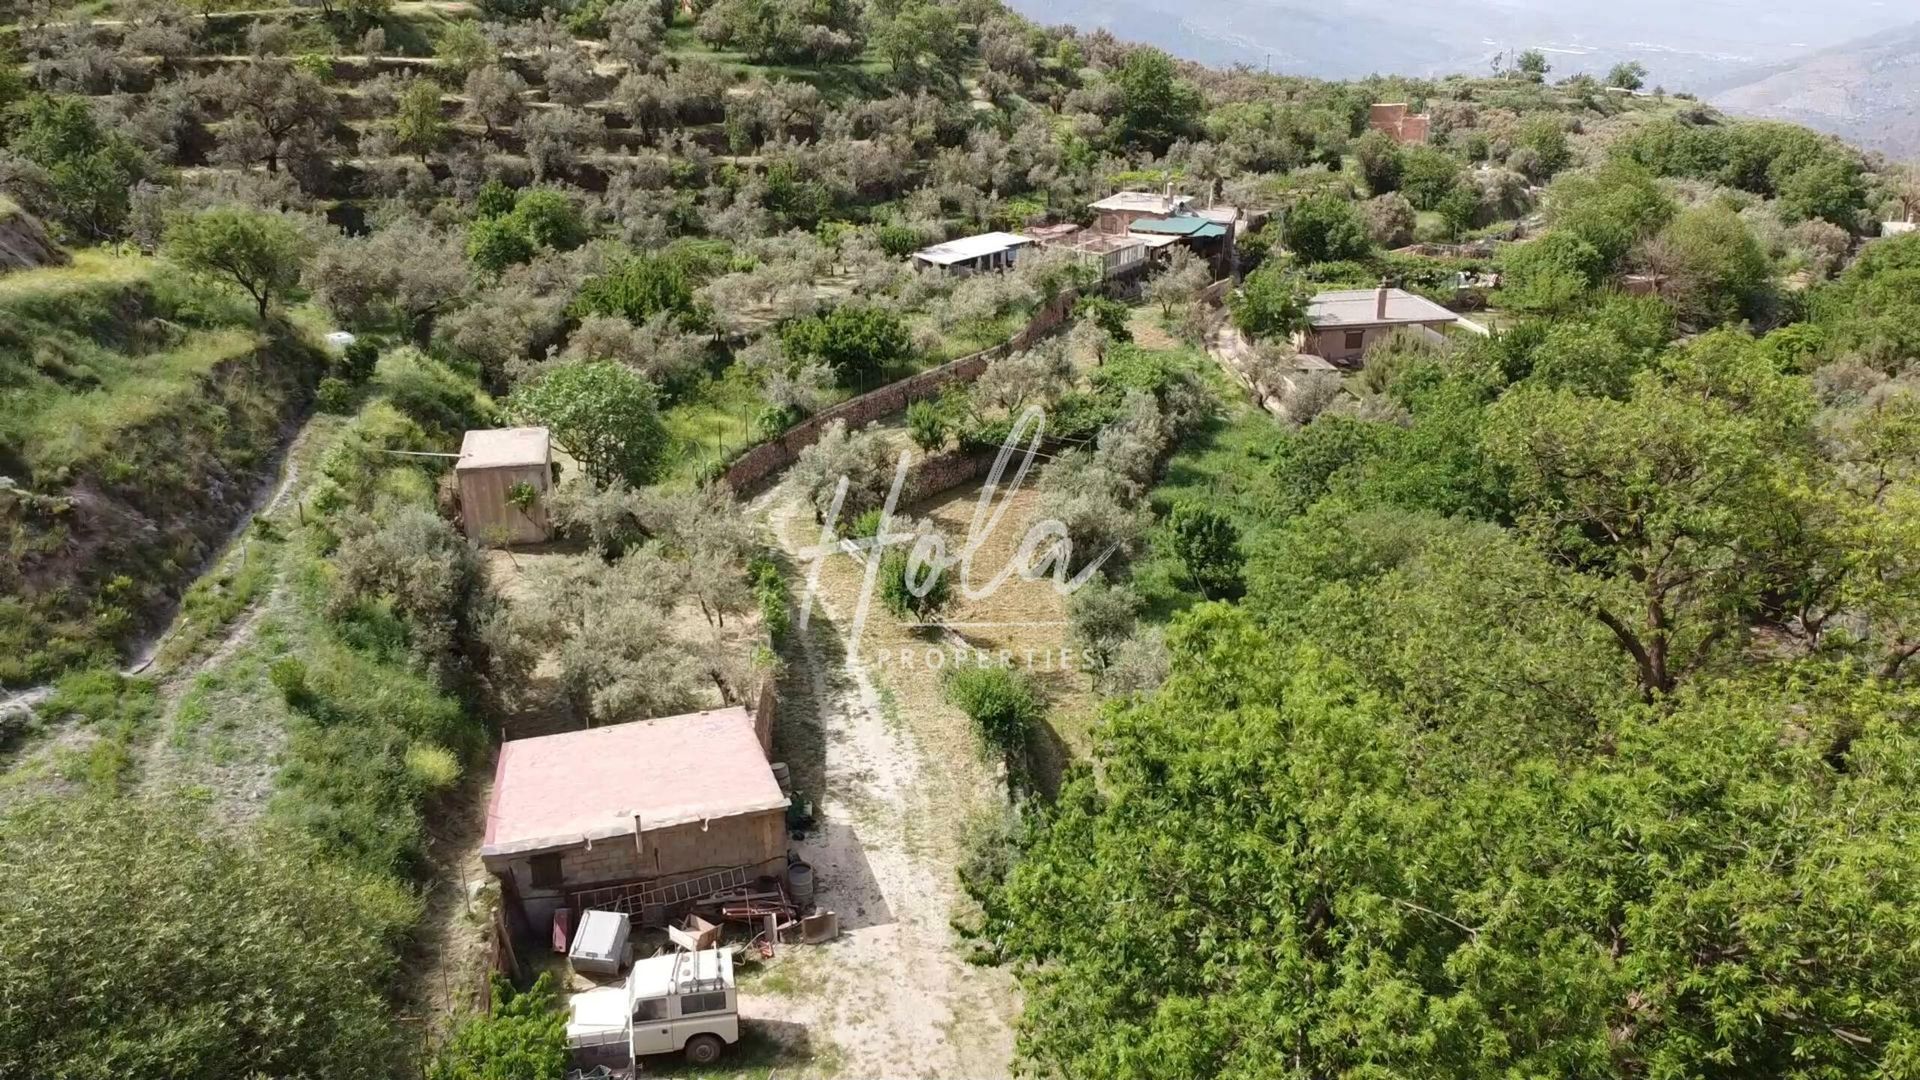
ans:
(140, 417)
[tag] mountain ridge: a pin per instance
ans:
(1866, 91)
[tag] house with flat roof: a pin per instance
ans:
(975, 254)
(1347, 322)
(1114, 255)
(1118, 211)
(644, 804)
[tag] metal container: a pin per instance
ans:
(600, 945)
(800, 882)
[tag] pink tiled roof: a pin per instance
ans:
(561, 790)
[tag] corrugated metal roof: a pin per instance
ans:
(560, 790)
(1198, 228)
(496, 448)
(968, 248)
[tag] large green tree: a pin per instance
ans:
(1156, 105)
(603, 414)
(1271, 847)
(1326, 228)
(1660, 504)
(262, 253)
(1710, 266)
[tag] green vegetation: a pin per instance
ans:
(1518, 944)
(1503, 609)
(135, 400)
(101, 986)
(1271, 303)
(1004, 708)
(603, 415)
(261, 253)
(523, 1034)
(1526, 705)
(861, 345)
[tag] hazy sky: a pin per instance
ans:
(1681, 41)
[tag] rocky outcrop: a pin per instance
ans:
(24, 243)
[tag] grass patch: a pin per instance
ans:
(115, 709)
(1227, 464)
(102, 697)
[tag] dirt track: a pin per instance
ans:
(894, 996)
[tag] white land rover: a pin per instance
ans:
(682, 1002)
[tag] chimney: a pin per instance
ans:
(1166, 200)
(1380, 301)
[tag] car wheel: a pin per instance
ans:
(703, 1049)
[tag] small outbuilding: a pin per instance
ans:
(505, 474)
(623, 810)
(1347, 322)
(984, 253)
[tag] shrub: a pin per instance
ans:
(912, 589)
(1002, 704)
(897, 240)
(638, 289)
(495, 243)
(927, 425)
(433, 768)
(524, 1035)
(358, 361)
(859, 343)
(1551, 274)
(1271, 303)
(549, 219)
(1105, 312)
(289, 676)
(494, 199)
(1208, 545)
(770, 591)
(334, 395)
(1326, 228)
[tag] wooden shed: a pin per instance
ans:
(492, 467)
